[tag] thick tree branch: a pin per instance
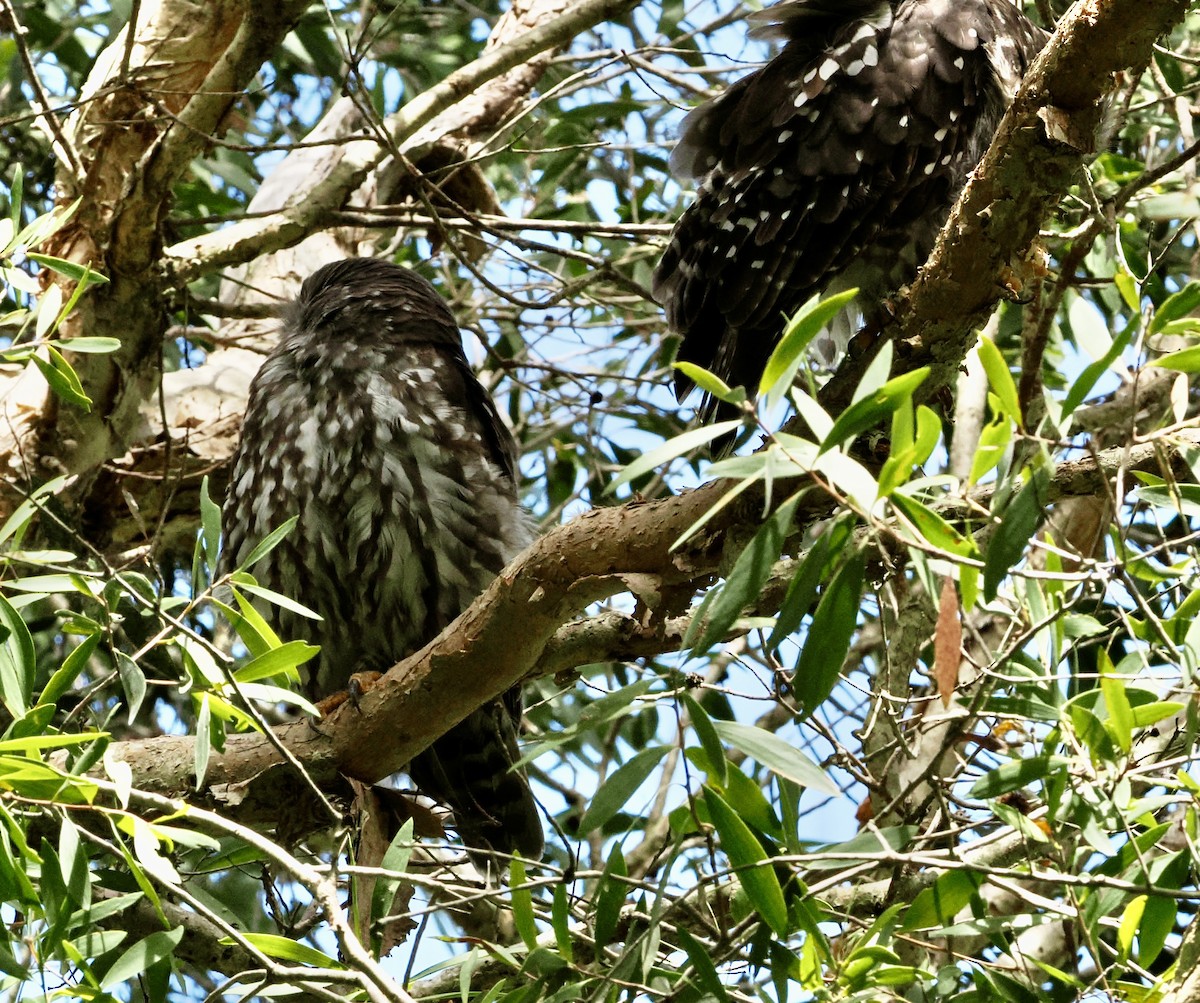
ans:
(1029, 166)
(146, 110)
(482, 653)
(302, 215)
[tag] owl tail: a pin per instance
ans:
(470, 770)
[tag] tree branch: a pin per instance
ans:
(1029, 166)
(301, 215)
(480, 654)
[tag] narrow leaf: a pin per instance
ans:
(710, 741)
(560, 921)
(611, 894)
(210, 527)
(144, 954)
(272, 663)
(286, 949)
(829, 635)
(17, 660)
(521, 899)
(706, 972)
(1000, 378)
(1017, 773)
(269, 542)
(865, 414)
(1175, 307)
(711, 383)
(619, 788)
(778, 756)
(670, 449)
(133, 681)
(1020, 521)
(805, 325)
(747, 577)
(748, 860)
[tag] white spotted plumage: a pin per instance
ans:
(845, 151)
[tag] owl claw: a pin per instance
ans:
(358, 684)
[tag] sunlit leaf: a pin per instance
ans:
(778, 756)
(804, 325)
(670, 449)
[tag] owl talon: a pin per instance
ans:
(359, 683)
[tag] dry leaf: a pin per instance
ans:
(947, 642)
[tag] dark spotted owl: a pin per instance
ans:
(367, 423)
(833, 166)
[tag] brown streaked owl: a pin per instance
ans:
(366, 423)
(833, 166)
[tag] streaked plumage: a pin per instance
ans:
(367, 423)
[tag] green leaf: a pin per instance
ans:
(805, 325)
(1152, 713)
(1022, 518)
(395, 859)
(146, 953)
(670, 449)
(65, 675)
(18, 661)
(706, 972)
(202, 747)
(1186, 360)
(90, 346)
(251, 628)
(83, 274)
(521, 900)
(778, 756)
(1120, 714)
(1175, 307)
(710, 741)
(1082, 385)
(999, 378)
(1018, 773)
(24, 512)
(560, 922)
(133, 681)
(210, 527)
(37, 743)
(865, 414)
(932, 528)
(247, 584)
(62, 377)
(619, 788)
(890, 840)
(747, 577)
(286, 949)
(277, 660)
(710, 383)
(828, 637)
(611, 894)
(940, 902)
(269, 542)
(748, 860)
(802, 591)
(1131, 919)
(1028, 829)
(16, 192)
